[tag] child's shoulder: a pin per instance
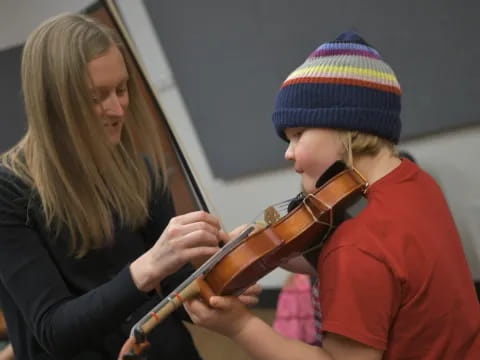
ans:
(363, 231)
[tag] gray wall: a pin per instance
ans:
(17, 19)
(229, 58)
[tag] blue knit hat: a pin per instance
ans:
(344, 84)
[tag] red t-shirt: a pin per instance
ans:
(395, 276)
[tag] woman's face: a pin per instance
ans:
(109, 91)
(312, 151)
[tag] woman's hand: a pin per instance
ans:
(187, 238)
(241, 228)
(226, 315)
(237, 231)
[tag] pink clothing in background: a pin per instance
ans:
(294, 316)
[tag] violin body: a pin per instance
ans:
(304, 227)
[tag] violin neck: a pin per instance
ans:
(175, 300)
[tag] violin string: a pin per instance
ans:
(280, 207)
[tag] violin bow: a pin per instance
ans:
(137, 343)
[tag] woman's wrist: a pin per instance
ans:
(141, 274)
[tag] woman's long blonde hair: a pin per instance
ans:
(83, 182)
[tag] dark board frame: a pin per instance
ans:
(229, 59)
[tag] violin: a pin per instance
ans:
(244, 260)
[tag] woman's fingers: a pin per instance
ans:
(195, 247)
(237, 231)
(191, 237)
(199, 237)
(196, 216)
(190, 231)
(223, 236)
(176, 229)
(198, 255)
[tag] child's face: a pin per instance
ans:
(312, 150)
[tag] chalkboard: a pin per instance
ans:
(13, 118)
(230, 57)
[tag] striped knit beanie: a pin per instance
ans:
(344, 84)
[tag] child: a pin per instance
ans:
(393, 281)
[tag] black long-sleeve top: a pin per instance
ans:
(60, 307)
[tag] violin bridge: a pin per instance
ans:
(271, 215)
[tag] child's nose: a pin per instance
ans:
(289, 152)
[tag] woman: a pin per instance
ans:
(88, 232)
